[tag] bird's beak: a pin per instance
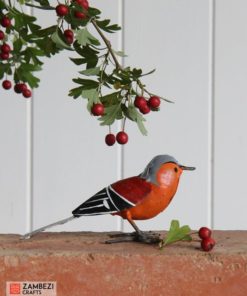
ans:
(187, 168)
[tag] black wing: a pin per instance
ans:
(106, 201)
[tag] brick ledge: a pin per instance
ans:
(82, 264)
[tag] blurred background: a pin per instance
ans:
(53, 156)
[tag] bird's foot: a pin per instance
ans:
(148, 237)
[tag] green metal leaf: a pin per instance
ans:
(177, 233)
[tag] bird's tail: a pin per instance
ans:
(60, 222)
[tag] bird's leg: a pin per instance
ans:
(137, 236)
(144, 237)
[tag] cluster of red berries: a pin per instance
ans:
(121, 137)
(5, 48)
(63, 10)
(19, 88)
(145, 106)
(207, 242)
(110, 139)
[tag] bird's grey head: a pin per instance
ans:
(149, 173)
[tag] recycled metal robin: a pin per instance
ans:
(136, 198)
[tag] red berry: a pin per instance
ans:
(154, 102)
(69, 39)
(140, 101)
(6, 84)
(204, 232)
(62, 10)
(83, 3)
(27, 93)
(5, 21)
(207, 244)
(68, 33)
(2, 35)
(79, 15)
(98, 109)
(110, 139)
(20, 87)
(5, 48)
(69, 36)
(4, 55)
(145, 109)
(122, 138)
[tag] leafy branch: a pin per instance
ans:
(115, 90)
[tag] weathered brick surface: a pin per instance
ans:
(83, 265)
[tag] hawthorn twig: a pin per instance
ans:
(107, 43)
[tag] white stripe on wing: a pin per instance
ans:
(107, 190)
(126, 200)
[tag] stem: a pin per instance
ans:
(149, 93)
(40, 7)
(124, 121)
(107, 43)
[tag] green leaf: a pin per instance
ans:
(112, 113)
(78, 61)
(111, 99)
(137, 73)
(141, 125)
(55, 37)
(93, 97)
(46, 32)
(43, 2)
(177, 233)
(91, 94)
(130, 112)
(84, 37)
(21, 74)
(2, 5)
(104, 25)
(76, 92)
(91, 71)
(17, 45)
(89, 55)
(5, 68)
(87, 83)
(93, 11)
(47, 46)
(29, 67)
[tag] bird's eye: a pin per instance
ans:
(176, 169)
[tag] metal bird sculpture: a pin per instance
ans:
(136, 198)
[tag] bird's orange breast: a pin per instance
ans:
(153, 204)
